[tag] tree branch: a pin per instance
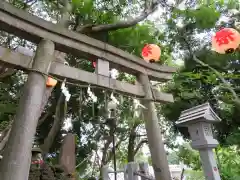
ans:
(5, 135)
(140, 135)
(59, 117)
(7, 72)
(140, 144)
(4, 140)
(131, 141)
(4, 132)
(98, 163)
(43, 118)
(150, 7)
(47, 94)
(110, 155)
(226, 84)
(105, 152)
(65, 16)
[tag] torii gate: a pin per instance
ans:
(49, 38)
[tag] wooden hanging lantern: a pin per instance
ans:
(51, 82)
(151, 53)
(225, 41)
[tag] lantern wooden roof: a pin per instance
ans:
(200, 113)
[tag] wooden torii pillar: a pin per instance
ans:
(17, 154)
(155, 140)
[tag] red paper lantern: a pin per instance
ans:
(227, 40)
(151, 53)
(51, 82)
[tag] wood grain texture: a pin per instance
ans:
(74, 75)
(32, 28)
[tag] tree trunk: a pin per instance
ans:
(131, 142)
(105, 152)
(131, 145)
(59, 118)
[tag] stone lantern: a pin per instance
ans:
(37, 158)
(199, 122)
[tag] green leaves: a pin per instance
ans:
(205, 17)
(189, 156)
(194, 175)
(228, 160)
(229, 163)
(83, 7)
(133, 40)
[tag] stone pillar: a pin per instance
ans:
(155, 141)
(16, 160)
(67, 155)
(198, 120)
(209, 164)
